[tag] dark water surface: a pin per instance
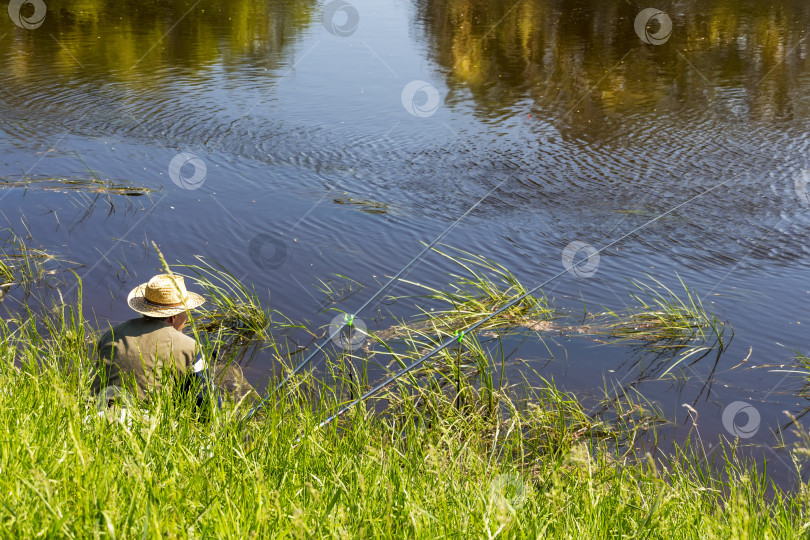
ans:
(297, 115)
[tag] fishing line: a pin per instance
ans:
(472, 328)
(349, 319)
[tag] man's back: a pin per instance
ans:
(143, 349)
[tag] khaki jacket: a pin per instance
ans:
(146, 352)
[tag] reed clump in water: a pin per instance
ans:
(665, 322)
(467, 299)
(479, 292)
(24, 267)
(665, 319)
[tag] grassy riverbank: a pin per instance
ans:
(490, 460)
(547, 469)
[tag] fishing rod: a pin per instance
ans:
(339, 327)
(460, 335)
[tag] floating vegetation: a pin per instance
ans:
(366, 206)
(94, 185)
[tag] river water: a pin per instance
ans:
(291, 141)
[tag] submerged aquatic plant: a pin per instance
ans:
(338, 288)
(87, 190)
(94, 185)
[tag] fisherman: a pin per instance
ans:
(142, 355)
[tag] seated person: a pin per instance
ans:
(138, 354)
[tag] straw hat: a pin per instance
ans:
(163, 296)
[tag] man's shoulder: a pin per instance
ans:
(122, 329)
(149, 331)
(183, 339)
(179, 340)
(161, 330)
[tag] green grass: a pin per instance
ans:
(544, 469)
(506, 461)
